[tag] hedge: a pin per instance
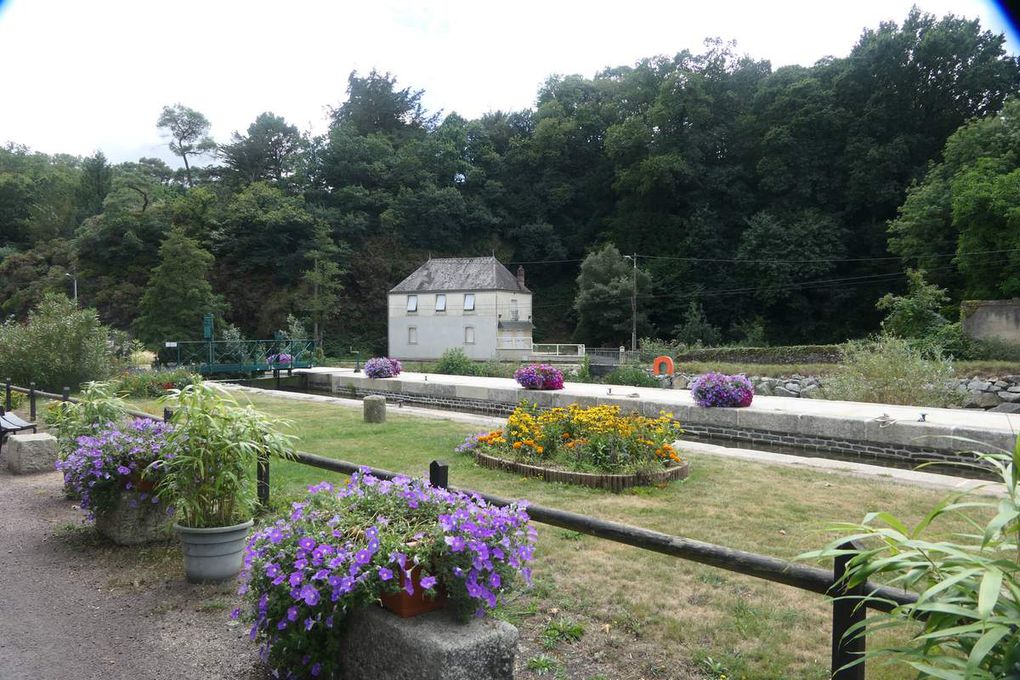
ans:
(790, 354)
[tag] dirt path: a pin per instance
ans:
(75, 607)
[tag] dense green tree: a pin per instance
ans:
(603, 303)
(178, 293)
(267, 152)
(916, 314)
(968, 205)
(188, 131)
(96, 182)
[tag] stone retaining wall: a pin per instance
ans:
(869, 440)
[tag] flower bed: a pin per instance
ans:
(718, 389)
(339, 550)
(597, 440)
(382, 367)
(539, 377)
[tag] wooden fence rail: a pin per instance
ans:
(846, 611)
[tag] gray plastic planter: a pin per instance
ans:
(215, 554)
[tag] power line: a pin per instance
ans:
(884, 258)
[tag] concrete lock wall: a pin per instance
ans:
(992, 319)
(858, 437)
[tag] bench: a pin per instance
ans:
(11, 423)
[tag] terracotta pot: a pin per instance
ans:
(405, 606)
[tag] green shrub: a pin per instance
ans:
(154, 383)
(890, 370)
(696, 329)
(785, 354)
(628, 374)
(649, 348)
(97, 405)
(59, 345)
(455, 362)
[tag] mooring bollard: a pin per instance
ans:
(374, 408)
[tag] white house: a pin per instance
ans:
(474, 303)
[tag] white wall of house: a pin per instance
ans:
(427, 332)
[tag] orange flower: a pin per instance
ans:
(517, 445)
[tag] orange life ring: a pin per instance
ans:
(658, 364)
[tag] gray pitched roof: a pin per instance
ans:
(459, 273)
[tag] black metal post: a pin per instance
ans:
(65, 394)
(439, 474)
(262, 480)
(168, 414)
(357, 362)
(847, 611)
(276, 374)
(8, 400)
(31, 401)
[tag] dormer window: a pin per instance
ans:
(440, 303)
(469, 302)
(412, 303)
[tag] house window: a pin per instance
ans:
(514, 312)
(412, 303)
(469, 335)
(412, 335)
(469, 302)
(440, 303)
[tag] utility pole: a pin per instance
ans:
(633, 305)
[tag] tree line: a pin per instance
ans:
(769, 204)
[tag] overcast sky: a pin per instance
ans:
(80, 76)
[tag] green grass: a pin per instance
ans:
(669, 612)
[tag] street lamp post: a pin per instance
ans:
(74, 279)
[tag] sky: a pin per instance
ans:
(83, 76)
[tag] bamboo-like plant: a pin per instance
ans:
(965, 624)
(208, 472)
(97, 406)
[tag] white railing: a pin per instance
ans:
(558, 350)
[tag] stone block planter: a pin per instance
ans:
(31, 453)
(615, 483)
(433, 646)
(135, 520)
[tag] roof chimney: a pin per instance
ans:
(520, 276)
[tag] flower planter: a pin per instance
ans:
(136, 520)
(213, 554)
(611, 482)
(405, 606)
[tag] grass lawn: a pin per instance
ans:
(604, 610)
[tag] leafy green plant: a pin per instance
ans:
(561, 630)
(965, 624)
(59, 345)
(455, 361)
(96, 406)
(154, 383)
(629, 374)
(917, 313)
(541, 664)
(891, 370)
(215, 445)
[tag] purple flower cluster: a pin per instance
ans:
(470, 443)
(281, 358)
(339, 549)
(114, 458)
(539, 377)
(382, 367)
(718, 389)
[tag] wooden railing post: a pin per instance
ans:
(31, 401)
(439, 474)
(848, 610)
(168, 414)
(65, 393)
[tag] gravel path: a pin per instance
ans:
(75, 607)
